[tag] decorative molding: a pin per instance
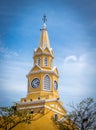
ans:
(36, 101)
(52, 105)
(43, 71)
(41, 106)
(35, 65)
(53, 110)
(61, 105)
(43, 91)
(51, 100)
(62, 119)
(30, 103)
(43, 53)
(29, 107)
(39, 92)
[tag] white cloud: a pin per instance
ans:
(71, 58)
(77, 75)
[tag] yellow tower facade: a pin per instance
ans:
(42, 95)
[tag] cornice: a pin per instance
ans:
(43, 71)
(42, 102)
(30, 103)
(61, 105)
(41, 106)
(37, 101)
(46, 92)
(43, 53)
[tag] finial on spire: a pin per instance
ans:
(44, 21)
(44, 18)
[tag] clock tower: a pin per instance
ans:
(42, 85)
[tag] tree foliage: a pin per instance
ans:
(10, 117)
(82, 117)
(84, 114)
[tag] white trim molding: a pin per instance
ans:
(29, 107)
(41, 106)
(54, 110)
(43, 71)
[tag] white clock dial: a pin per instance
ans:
(35, 83)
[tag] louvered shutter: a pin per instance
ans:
(46, 83)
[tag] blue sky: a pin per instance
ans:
(72, 32)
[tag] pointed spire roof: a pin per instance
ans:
(44, 39)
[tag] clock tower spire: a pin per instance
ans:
(43, 77)
(43, 80)
(44, 39)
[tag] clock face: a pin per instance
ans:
(55, 85)
(35, 83)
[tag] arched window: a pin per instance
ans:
(39, 61)
(45, 61)
(46, 82)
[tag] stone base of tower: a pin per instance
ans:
(43, 111)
